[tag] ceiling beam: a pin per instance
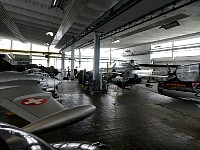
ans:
(34, 25)
(7, 20)
(33, 14)
(35, 20)
(75, 9)
(22, 51)
(116, 10)
(36, 7)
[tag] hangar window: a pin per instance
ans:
(178, 48)
(162, 46)
(187, 42)
(5, 44)
(186, 52)
(17, 45)
(161, 54)
(40, 48)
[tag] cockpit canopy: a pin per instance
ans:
(188, 73)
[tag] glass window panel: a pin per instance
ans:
(39, 61)
(161, 54)
(187, 42)
(17, 45)
(5, 44)
(187, 52)
(157, 47)
(40, 48)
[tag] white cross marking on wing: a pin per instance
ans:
(35, 101)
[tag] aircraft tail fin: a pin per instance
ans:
(63, 118)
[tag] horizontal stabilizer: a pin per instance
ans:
(60, 119)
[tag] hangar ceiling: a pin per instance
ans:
(151, 31)
(133, 22)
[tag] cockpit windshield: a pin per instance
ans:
(188, 73)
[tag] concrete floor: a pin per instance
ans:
(134, 120)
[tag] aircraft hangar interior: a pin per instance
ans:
(99, 74)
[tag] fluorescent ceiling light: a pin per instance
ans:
(116, 41)
(49, 33)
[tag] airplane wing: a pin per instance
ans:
(152, 76)
(27, 100)
(156, 65)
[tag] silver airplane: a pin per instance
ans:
(22, 96)
(131, 70)
(46, 82)
(14, 138)
(183, 84)
(129, 75)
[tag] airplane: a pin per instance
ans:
(12, 137)
(132, 74)
(183, 83)
(22, 96)
(44, 80)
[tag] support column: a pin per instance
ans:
(110, 57)
(63, 64)
(72, 63)
(173, 53)
(96, 60)
(11, 54)
(48, 58)
(30, 58)
(79, 58)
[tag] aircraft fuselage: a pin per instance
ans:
(181, 90)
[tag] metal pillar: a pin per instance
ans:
(173, 53)
(48, 58)
(96, 60)
(72, 63)
(63, 64)
(11, 54)
(30, 61)
(79, 58)
(110, 57)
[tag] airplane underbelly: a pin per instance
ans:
(191, 96)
